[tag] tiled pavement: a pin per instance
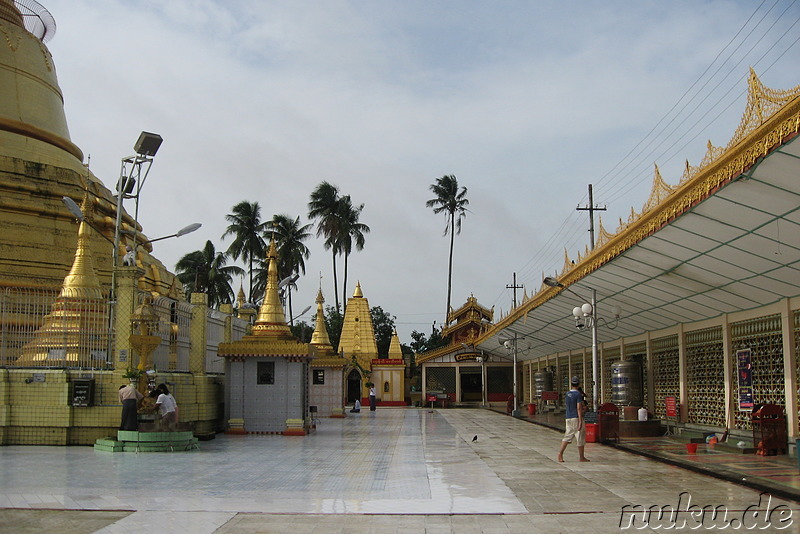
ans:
(394, 470)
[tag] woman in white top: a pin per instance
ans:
(167, 408)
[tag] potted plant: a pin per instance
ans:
(133, 374)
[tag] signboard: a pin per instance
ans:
(319, 376)
(744, 371)
(468, 357)
(83, 392)
(549, 395)
(671, 405)
(388, 361)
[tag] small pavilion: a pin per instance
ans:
(266, 370)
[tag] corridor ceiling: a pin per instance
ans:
(737, 249)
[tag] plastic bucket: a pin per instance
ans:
(591, 432)
(531, 409)
(691, 448)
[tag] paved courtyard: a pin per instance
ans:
(394, 470)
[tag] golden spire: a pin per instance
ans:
(357, 293)
(320, 336)
(240, 296)
(271, 318)
(395, 352)
(82, 282)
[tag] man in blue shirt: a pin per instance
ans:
(574, 421)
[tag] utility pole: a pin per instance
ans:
(514, 286)
(591, 208)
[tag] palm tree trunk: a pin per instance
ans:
(250, 294)
(335, 283)
(450, 268)
(344, 286)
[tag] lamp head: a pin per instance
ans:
(147, 144)
(73, 208)
(587, 310)
(552, 282)
(188, 229)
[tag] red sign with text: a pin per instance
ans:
(672, 406)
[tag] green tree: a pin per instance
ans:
(383, 324)
(452, 201)
(323, 206)
(351, 233)
(422, 343)
(247, 229)
(302, 331)
(334, 321)
(205, 271)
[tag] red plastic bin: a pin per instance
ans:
(591, 432)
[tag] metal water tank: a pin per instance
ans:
(542, 381)
(626, 383)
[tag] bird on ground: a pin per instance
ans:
(475, 438)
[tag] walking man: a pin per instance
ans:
(574, 421)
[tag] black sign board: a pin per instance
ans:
(83, 392)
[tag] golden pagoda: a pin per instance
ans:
(39, 164)
(357, 341)
(76, 329)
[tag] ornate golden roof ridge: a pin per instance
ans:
(757, 135)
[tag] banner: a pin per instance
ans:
(745, 374)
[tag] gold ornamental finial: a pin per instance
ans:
(82, 282)
(357, 293)
(271, 319)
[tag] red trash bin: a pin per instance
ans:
(531, 409)
(591, 432)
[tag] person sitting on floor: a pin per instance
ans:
(356, 407)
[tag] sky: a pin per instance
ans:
(525, 102)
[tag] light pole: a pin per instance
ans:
(511, 343)
(480, 359)
(132, 176)
(586, 316)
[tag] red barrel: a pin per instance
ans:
(531, 409)
(591, 432)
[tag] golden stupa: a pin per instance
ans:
(79, 309)
(39, 164)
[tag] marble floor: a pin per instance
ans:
(393, 470)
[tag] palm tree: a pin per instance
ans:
(453, 202)
(351, 232)
(205, 271)
(247, 229)
(289, 235)
(323, 207)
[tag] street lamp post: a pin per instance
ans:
(586, 315)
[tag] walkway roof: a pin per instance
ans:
(726, 239)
